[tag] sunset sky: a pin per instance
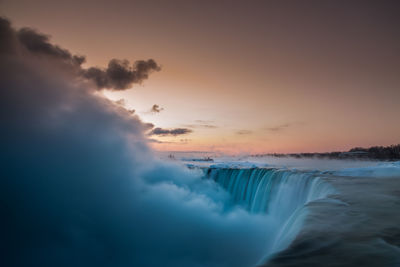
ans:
(243, 76)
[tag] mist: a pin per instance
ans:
(80, 187)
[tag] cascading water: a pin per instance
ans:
(279, 193)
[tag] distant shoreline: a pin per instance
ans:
(379, 153)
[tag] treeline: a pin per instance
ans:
(373, 153)
(380, 152)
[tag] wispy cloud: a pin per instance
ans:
(155, 141)
(209, 126)
(244, 132)
(180, 142)
(172, 132)
(283, 127)
(204, 121)
(202, 124)
(279, 128)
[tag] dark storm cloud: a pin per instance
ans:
(119, 74)
(156, 109)
(173, 132)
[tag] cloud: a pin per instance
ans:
(208, 126)
(120, 102)
(8, 40)
(279, 128)
(80, 187)
(244, 132)
(149, 125)
(155, 141)
(202, 124)
(173, 132)
(39, 44)
(204, 121)
(283, 127)
(119, 74)
(156, 109)
(180, 142)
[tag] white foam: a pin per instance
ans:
(384, 169)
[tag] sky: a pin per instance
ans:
(242, 76)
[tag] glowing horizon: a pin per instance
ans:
(243, 78)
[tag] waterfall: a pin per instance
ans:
(279, 193)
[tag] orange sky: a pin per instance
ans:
(244, 76)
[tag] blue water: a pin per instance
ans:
(279, 193)
(344, 217)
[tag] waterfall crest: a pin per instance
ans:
(278, 193)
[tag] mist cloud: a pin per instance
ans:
(80, 187)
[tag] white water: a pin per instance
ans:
(280, 194)
(303, 220)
